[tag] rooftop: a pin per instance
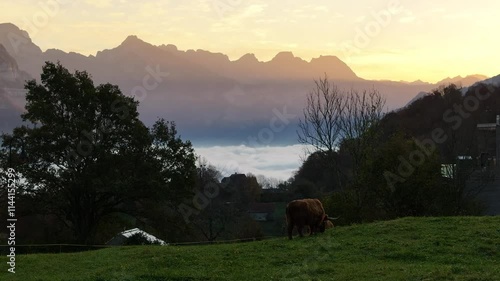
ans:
(129, 233)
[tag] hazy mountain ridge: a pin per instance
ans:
(466, 81)
(9, 70)
(18, 44)
(232, 101)
(283, 66)
(495, 80)
(12, 98)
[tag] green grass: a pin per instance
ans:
(458, 248)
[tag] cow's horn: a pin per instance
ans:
(332, 219)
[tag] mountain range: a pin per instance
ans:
(212, 99)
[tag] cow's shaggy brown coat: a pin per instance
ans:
(305, 212)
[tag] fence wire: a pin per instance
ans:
(71, 248)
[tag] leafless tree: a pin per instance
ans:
(320, 126)
(332, 115)
(361, 113)
(268, 182)
(334, 118)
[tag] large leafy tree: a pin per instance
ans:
(89, 155)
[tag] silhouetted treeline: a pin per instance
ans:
(425, 160)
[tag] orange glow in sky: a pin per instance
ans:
(378, 39)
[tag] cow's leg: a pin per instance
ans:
(299, 229)
(312, 230)
(290, 230)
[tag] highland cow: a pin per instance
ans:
(306, 212)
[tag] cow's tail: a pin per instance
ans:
(289, 223)
(287, 214)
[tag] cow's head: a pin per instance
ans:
(326, 223)
(329, 224)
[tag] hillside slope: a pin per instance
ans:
(455, 248)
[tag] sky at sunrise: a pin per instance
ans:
(378, 39)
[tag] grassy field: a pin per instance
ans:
(459, 248)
